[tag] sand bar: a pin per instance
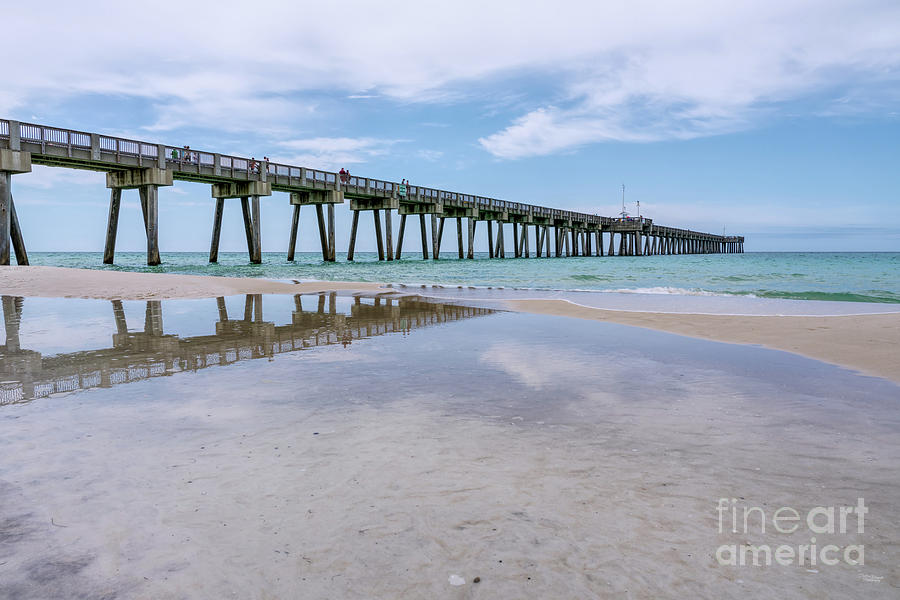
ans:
(867, 343)
(61, 282)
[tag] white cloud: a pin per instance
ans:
(430, 155)
(334, 153)
(580, 72)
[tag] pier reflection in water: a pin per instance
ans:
(152, 352)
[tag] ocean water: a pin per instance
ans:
(842, 277)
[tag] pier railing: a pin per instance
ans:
(185, 160)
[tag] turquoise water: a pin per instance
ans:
(853, 277)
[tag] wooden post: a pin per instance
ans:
(353, 227)
(112, 226)
(331, 243)
(15, 234)
(525, 241)
(516, 248)
(295, 225)
(388, 236)
(471, 252)
(490, 234)
(440, 233)
(323, 239)
(599, 242)
(400, 236)
(498, 252)
(257, 243)
(379, 242)
(216, 232)
(459, 240)
(637, 243)
(435, 238)
(424, 237)
(566, 237)
(612, 237)
(151, 196)
(248, 224)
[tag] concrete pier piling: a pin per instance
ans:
(133, 164)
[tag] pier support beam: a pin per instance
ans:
(435, 238)
(517, 250)
(5, 218)
(379, 242)
(216, 232)
(400, 236)
(325, 219)
(424, 234)
(388, 235)
(249, 210)
(295, 225)
(459, 237)
(147, 182)
(490, 236)
(11, 162)
(525, 241)
(470, 254)
(354, 225)
(330, 212)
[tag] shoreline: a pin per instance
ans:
(65, 282)
(862, 342)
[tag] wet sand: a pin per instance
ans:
(866, 343)
(513, 448)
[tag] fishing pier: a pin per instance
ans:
(537, 231)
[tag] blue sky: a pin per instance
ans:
(776, 120)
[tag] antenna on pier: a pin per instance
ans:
(624, 212)
(639, 208)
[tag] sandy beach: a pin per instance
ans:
(866, 343)
(60, 282)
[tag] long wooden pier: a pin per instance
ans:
(152, 352)
(133, 164)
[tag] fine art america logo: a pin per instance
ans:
(739, 518)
